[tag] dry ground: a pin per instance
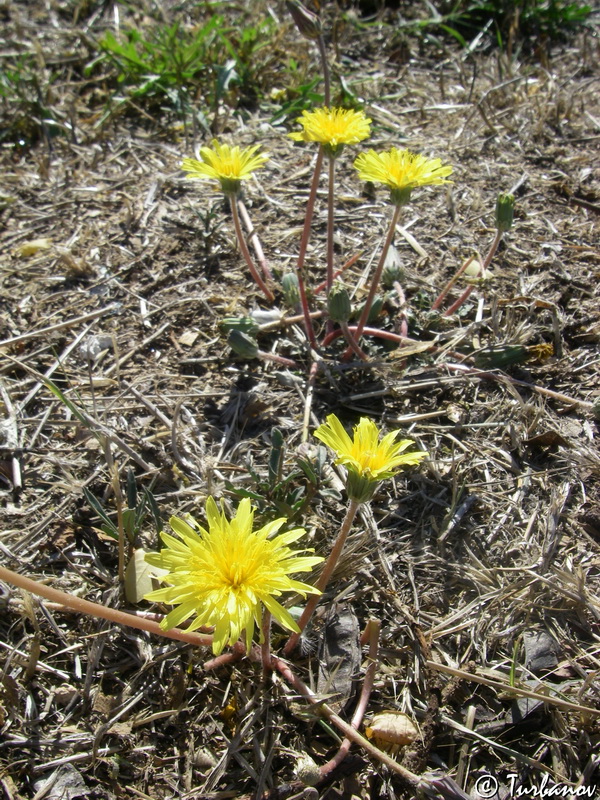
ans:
(486, 560)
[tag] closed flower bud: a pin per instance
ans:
(391, 274)
(375, 310)
(242, 345)
(244, 324)
(505, 206)
(291, 292)
(307, 23)
(338, 304)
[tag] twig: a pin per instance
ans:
(507, 688)
(68, 323)
(97, 610)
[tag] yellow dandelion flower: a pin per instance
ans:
(401, 170)
(227, 165)
(223, 576)
(368, 459)
(333, 128)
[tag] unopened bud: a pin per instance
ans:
(244, 324)
(375, 309)
(338, 303)
(505, 206)
(307, 23)
(392, 273)
(242, 344)
(290, 288)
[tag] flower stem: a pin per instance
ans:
(284, 669)
(376, 278)
(349, 336)
(330, 223)
(321, 584)
(310, 210)
(372, 635)
(253, 237)
(96, 610)
(438, 300)
(482, 270)
(246, 253)
(325, 65)
(392, 337)
(338, 272)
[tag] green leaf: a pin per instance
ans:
(97, 506)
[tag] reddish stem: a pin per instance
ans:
(330, 222)
(392, 337)
(310, 210)
(246, 253)
(330, 565)
(376, 278)
(438, 301)
(284, 669)
(348, 335)
(482, 270)
(338, 272)
(372, 633)
(97, 610)
(253, 237)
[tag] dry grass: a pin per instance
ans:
(483, 566)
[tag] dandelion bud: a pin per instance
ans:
(505, 206)
(338, 303)
(242, 344)
(307, 23)
(291, 291)
(244, 324)
(391, 274)
(375, 309)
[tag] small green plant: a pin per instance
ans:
(298, 95)
(279, 493)
(170, 66)
(526, 20)
(139, 506)
(25, 97)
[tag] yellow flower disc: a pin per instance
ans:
(333, 127)
(367, 458)
(228, 165)
(223, 576)
(401, 170)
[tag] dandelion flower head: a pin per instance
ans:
(367, 458)
(333, 128)
(227, 165)
(401, 170)
(223, 576)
